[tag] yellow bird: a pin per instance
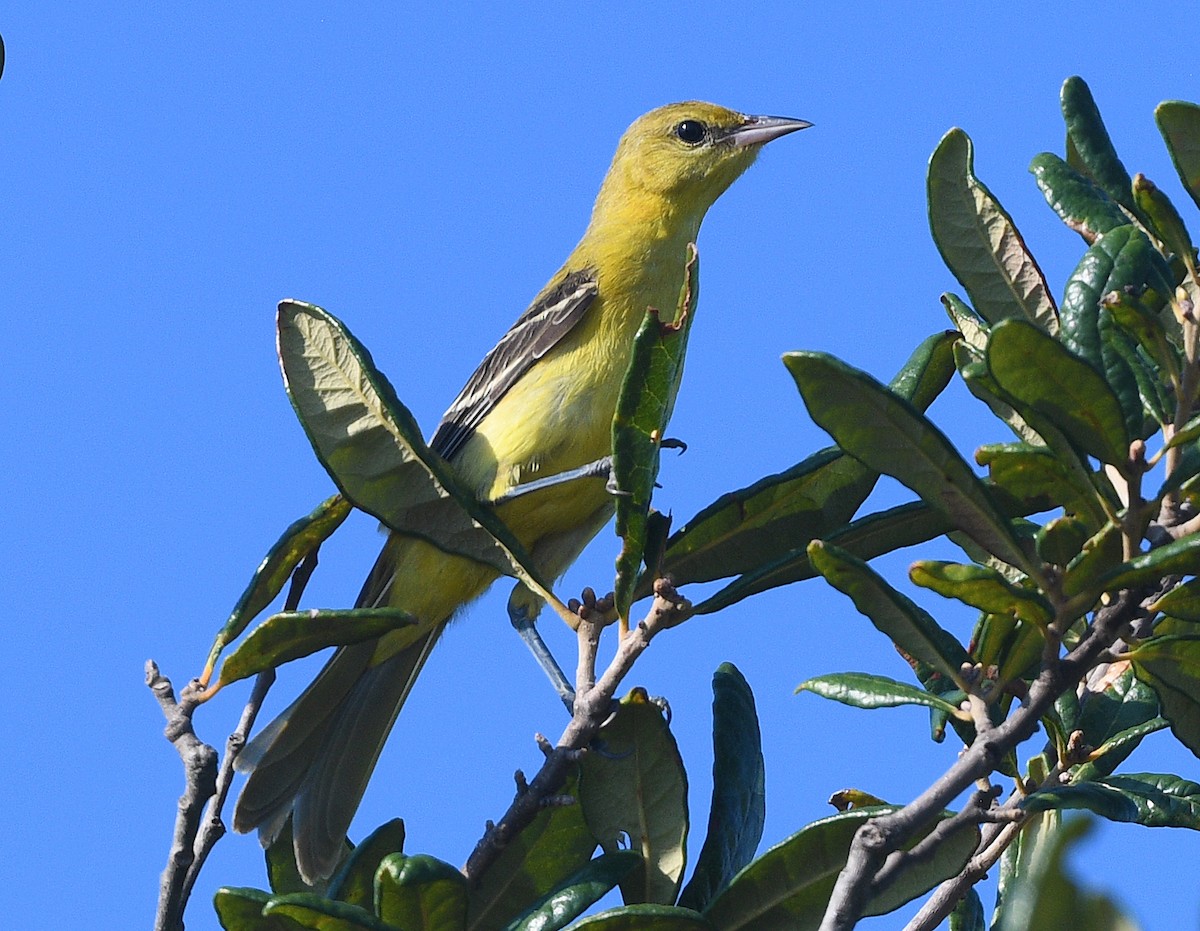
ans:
(540, 404)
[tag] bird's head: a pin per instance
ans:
(689, 153)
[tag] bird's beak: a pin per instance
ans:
(759, 130)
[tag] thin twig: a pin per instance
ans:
(200, 771)
(592, 708)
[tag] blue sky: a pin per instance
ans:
(169, 174)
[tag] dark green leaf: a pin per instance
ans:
(1111, 707)
(912, 629)
(1106, 757)
(1180, 557)
(1162, 799)
(1150, 799)
(788, 887)
(290, 635)
(371, 446)
(318, 913)
(300, 539)
(889, 435)
(981, 587)
(241, 910)
(643, 409)
(1043, 375)
(863, 690)
(738, 810)
(556, 845)
(637, 791)
(866, 538)
(1122, 258)
(568, 901)
(968, 913)
(1092, 796)
(420, 893)
(1179, 123)
(1061, 539)
(979, 241)
(1090, 140)
(644, 918)
(1170, 663)
(355, 882)
(748, 528)
(1082, 205)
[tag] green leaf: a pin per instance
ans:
(981, 587)
(912, 629)
(1179, 557)
(1122, 258)
(980, 243)
(968, 913)
(752, 526)
(290, 635)
(568, 901)
(1150, 799)
(738, 810)
(1162, 799)
(372, 448)
(1081, 204)
(637, 791)
(242, 910)
(538, 860)
(300, 539)
(1165, 220)
(1040, 895)
(1170, 663)
(788, 887)
(1041, 374)
(421, 893)
(1110, 708)
(1179, 123)
(1092, 796)
(866, 538)
(1181, 602)
(1106, 757)
(1090, 140)
(318, 913)
(643, 408)
(889, 435)
(1099, 555)
(282, 872)
(863, 690)
(644, 918)
(1061, 539)
(1034, 471)
(355, 881)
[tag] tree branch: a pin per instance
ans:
(879, 837)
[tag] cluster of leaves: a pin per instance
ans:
(1076, 567)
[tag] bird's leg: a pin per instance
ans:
(522, 612)
(601, 467)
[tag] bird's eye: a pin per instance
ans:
(691, 131)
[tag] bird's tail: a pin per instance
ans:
(313, 762)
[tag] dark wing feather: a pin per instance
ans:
(535, 333)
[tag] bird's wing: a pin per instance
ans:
(551, 317)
